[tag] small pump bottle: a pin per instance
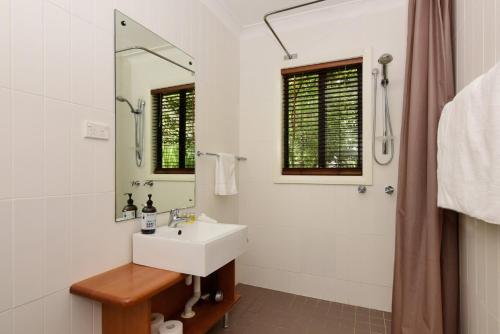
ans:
(148, 222)
(129, 211)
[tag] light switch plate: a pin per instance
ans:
(96, 130)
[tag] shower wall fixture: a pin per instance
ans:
(288, 55)
(387, 137)
(138, 127)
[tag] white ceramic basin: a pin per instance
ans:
(196, 249)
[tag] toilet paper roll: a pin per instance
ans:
(156, 322)
(171, 327)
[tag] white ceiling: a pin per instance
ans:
(248, 12)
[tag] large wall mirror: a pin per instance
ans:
(155, 113)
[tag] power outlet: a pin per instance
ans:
(96, 130)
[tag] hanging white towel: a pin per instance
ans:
(469, 150)
(225, 174)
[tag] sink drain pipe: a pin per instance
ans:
(188, 309)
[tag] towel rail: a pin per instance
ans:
(199, 153)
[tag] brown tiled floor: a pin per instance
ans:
(263, 311)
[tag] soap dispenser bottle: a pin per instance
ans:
(148, 223)
(129, 211)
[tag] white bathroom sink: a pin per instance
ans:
(196, 249)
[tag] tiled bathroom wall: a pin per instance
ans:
(318, 240)
(477, 49)
(56, 188)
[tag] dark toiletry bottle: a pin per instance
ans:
(129, 211)
(148, 224)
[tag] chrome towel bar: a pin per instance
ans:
(199, 153)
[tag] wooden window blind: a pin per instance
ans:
(173, 129)
(322, 125)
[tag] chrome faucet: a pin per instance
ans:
(174, 218)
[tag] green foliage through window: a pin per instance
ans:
(174, 110)
(323, 119)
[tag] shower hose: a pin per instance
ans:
(388, 133)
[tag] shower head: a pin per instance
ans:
(385, 59)
(122, 99)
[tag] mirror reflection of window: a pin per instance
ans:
(173, 129)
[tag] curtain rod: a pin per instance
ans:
(288, 55)
(155, 54)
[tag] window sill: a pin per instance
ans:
(330, 179)
(173, 177)
(322, 171)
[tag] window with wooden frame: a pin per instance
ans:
(173, 129)
(322, 124)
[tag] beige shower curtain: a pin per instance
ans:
(425, 293)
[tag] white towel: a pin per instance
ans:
(469, 150)
(225, 175)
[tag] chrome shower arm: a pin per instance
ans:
(288, 54)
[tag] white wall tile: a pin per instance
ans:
(498, 266)
(104, 78)
(58, 122)
(492, 281)
(28, 225)
(477, 29)
(5, 38)
(81, 315)
(480, 258)
(57, 52)
(82, 62)
(57, 313)
(84, 9)
(105, 158)
(28, 318)
(312, 286)
(6, 326)
(27, 45)
(27, 151)
(5, 139)
(477, 46)
(368, 257)
(366, 295)
(125, 6)
(273, 247)
(64, 4)
(318, 253)
(82, 153)
(103, 218)
(459, 42)
(104, 14)
(268, 277)
(497, 29)
(480, 282)
(489, 34)
(57, 241)
(85, 256)
(468, 36)
(6, 255)
(493, 325)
